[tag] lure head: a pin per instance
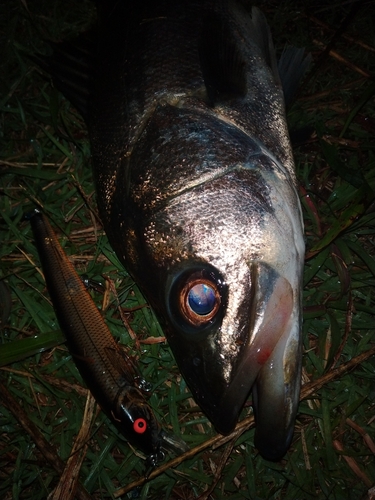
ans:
(136, 421)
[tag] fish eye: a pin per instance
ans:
(199, 300)
(140, 425)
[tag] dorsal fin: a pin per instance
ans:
(293, 62)
(260, 33)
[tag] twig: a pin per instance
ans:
(353, 464)
(62, 384)
(366, 438)
(345, 61)
(219, 470)
(124, 319)
(348, 329)
(311, 387)
(328, 49)
(67, 487)
(304, 449)
(357, 41)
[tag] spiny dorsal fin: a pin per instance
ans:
(260, 33)
(293, 62)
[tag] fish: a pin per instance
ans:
(197, 192)
(107, 370)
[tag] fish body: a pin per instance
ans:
(196, 189)
(107, 370)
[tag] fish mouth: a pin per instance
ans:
(271, 317)
(270, 364)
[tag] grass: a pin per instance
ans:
(44, 159)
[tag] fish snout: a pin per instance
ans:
(269, 362)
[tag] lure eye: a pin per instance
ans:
(199, 301)
(140, 426)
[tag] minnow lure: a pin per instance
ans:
(107, 370)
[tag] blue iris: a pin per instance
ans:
(201, 298)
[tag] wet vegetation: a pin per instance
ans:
(52, 436)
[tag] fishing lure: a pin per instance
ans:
(107, 370)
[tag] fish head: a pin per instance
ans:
(217, 248)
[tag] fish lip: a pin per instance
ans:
(273, 310)
(273, 445)
(276, 396)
